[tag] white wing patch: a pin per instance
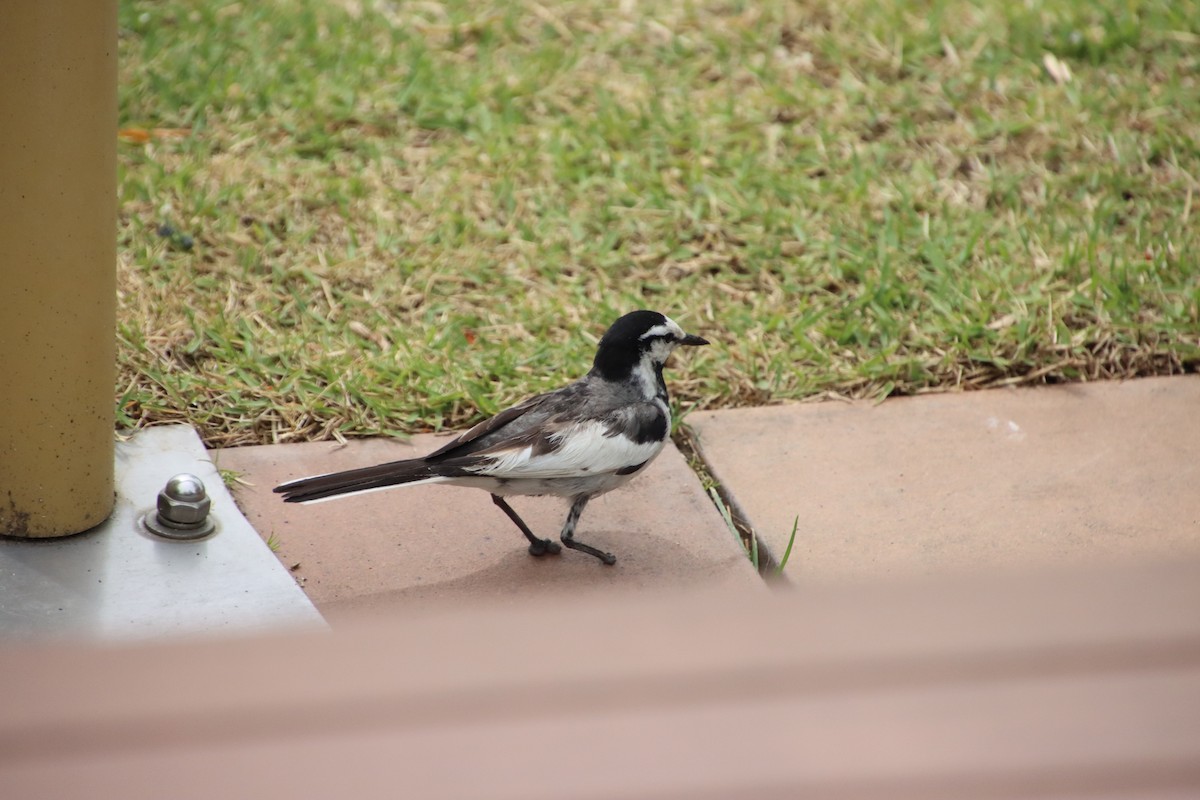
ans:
(584, 449)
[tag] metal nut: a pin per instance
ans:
(183, 510)
(183, 501)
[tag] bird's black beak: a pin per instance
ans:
(693, 340)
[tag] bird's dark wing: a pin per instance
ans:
(510, 425)
(568, 445)
(555, 440)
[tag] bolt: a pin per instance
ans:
(183, 507)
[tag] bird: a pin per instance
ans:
(577, 442)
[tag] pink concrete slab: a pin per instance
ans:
(433, 543)
(1002, 478)
(1077, 684)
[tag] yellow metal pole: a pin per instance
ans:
(58, 119)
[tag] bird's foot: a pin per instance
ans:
(607, 558)
(544, 547)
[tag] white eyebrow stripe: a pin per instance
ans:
(667, 328)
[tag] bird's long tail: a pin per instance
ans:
(364, 479)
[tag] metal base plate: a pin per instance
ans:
(119, 581)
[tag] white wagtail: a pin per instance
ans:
(577, 442)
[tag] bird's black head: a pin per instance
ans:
(639, 337)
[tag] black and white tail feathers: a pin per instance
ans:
(365, 479)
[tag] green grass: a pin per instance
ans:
(404, 216)
(768, 567)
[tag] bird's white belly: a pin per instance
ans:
(574, 486)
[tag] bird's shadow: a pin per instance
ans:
(644, 561)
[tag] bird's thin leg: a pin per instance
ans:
(568, 533)
(537, 547)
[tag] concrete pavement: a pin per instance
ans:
(433, 544)
(1075, 474)
(1006, 478)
